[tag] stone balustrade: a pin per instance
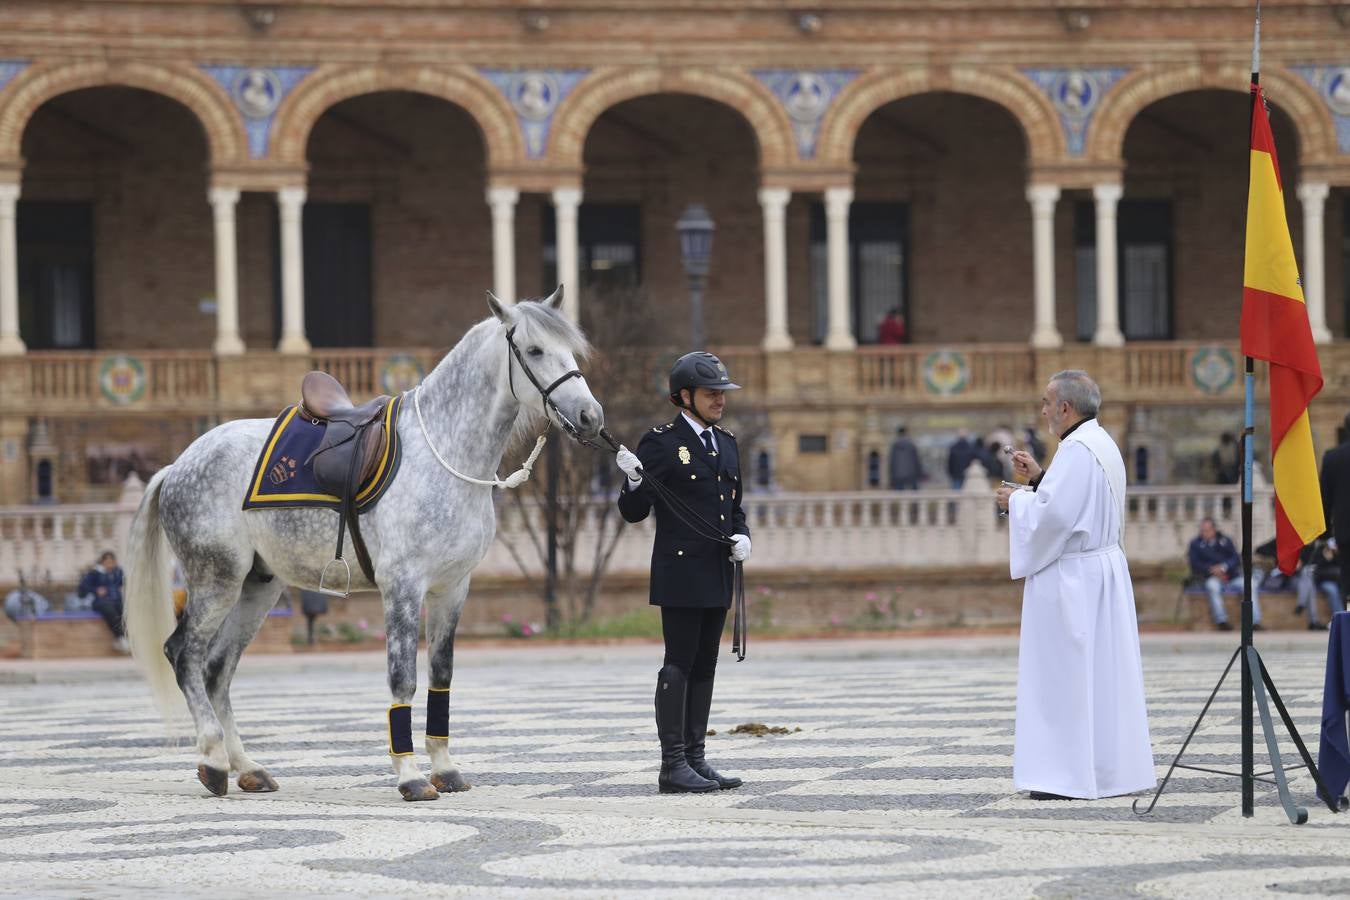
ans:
(817, 532)
(73, 383)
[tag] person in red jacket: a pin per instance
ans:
(892, 328)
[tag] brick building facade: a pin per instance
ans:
(217, 194)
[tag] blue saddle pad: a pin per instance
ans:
(281, 478)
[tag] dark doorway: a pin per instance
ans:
(609, 236)
(878, 238)
(338, 282)
(56, 275)
(1144, 248)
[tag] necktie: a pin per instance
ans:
(708, 442)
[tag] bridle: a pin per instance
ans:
(677, 505)
(545, 393)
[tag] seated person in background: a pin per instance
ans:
(104, 583)
(1215, 562)
(1320, 571)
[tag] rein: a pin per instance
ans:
(521, 475)
(681, 510)
(695, 522)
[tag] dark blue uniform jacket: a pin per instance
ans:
(1333, 758)
(688, 570)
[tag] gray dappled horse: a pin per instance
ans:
(425, 535)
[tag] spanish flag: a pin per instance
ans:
(1275, 328)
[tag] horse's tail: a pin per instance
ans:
(148, 601)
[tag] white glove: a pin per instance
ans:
(741, 551)
(630, 465)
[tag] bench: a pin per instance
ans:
(84, 634)
(1193, 586)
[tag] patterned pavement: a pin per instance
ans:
(899, 780)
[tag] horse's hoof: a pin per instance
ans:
(449, 782)
(257, 782)
(217, 781)
(420, 789)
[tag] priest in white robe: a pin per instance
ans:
(1082, 726)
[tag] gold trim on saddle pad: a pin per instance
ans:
(366, 497)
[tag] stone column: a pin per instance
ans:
(1108, 333)
(1042, 198)
(502, 201)
(291, 202)
(1313, 196)
(774, 202)
(566, 201)
(223, 203)
(839, 332)
(10, 342)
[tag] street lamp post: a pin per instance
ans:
(695, 228)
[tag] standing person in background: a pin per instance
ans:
(312, 604)
(1225, 460)
(905, 469)
(1336, 495)
(959, 458)
(892, 328)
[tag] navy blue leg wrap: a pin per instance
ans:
(400, 730)
(438, 713)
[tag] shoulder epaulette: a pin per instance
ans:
(725, 431)
(662, 429)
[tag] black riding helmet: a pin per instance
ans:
(699, 369)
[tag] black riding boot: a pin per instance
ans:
(676, 776)
(696, 732)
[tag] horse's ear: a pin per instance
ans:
(555, 299)
(498, 307)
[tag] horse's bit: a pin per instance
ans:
(680, 509)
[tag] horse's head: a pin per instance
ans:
(543, 347)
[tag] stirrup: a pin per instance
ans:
(331, 592)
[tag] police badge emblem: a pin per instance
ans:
(684, 455)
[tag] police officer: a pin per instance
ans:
(691, 576)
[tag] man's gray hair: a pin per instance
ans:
(1076, 388)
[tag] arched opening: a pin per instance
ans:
(114, 229)
(397, 233)
(939, 229)
(646, 160)
(1180, 224)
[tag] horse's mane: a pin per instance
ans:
(546, 320)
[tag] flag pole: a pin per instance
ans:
(1257, 686)
(1248, 433)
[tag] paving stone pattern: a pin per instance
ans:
(899, 781)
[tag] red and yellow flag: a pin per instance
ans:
(1275, 328)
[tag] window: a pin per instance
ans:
(338, 274)
(812, 443)
(1143, 268)
(878, 237)
(610, 238)
(763, 469)
(56, 275)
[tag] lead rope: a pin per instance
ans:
(514, 480)
(708, 531)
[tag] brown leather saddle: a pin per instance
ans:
(348, 455)
(351, 429)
